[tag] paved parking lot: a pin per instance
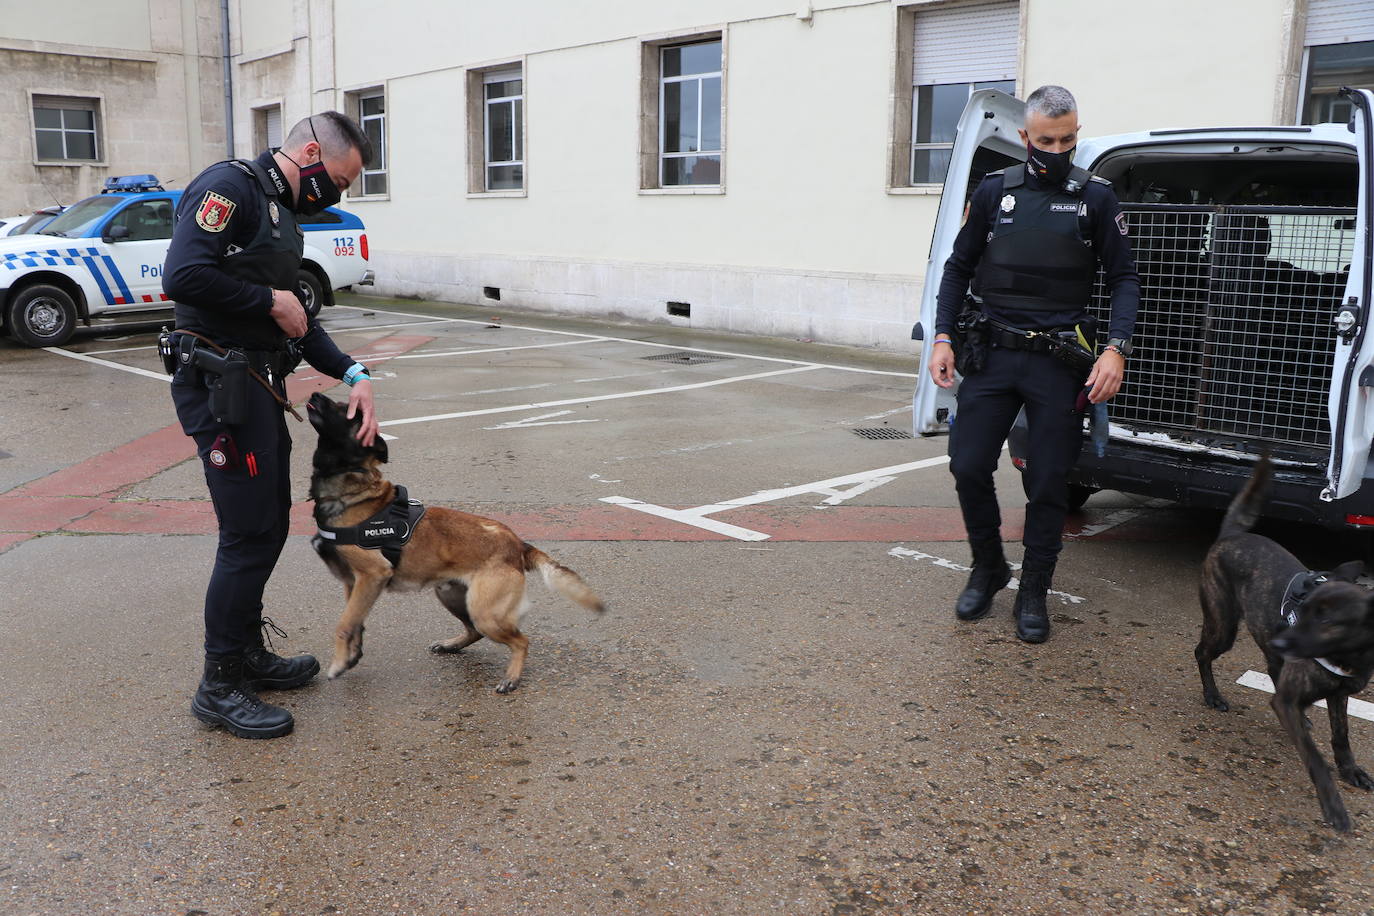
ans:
(778, 715)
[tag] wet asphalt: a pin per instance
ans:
(792, 725)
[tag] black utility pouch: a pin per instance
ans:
(1067, 349)
(970, 339)
(167, 352)
(227, 379)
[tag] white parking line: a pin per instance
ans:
(664, 346)
(646, 392)
(1120, 517)
(160, 376)
(544, 346)
(1357, 708)
(858, 483)
(904, 553)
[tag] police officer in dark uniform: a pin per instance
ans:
(1030, 244)
(240, 329)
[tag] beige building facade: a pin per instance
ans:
(765, 166)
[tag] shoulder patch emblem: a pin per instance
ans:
(1121, 223)
(214, 211)
(1008, 203)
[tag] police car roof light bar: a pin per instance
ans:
(125, 183)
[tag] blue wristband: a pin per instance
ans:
(355, 372)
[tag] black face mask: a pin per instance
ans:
(1050, 167)
(318, 190)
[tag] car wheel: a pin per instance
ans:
(311, 292)
(1078, 495)
(41, 316)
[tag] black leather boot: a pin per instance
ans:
(225, 698)
(990, 574)
(1032, 617)
(263, 669)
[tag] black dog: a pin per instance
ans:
(1328, 653)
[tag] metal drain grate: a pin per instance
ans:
(686, 358)
(881, 432)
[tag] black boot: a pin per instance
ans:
(265, 670)
(990, 573)
(1032, 617)
(225, 698)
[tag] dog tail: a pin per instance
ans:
(562, 580)
(1245, 508)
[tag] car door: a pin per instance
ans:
(986, 140)
(1351, 402)
(136, 240)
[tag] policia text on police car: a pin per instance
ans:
(240, 330)
(1030, 246)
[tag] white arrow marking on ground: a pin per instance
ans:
(1357, 708)
(696, 517)
(535, 421)
(908, 554)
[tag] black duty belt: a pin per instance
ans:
(387, 531)
(1009, 338)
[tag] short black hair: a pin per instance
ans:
(335, 131)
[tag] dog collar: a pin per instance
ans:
(1334, 669)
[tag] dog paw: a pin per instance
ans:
(1358, 778)
(335, 670)
(1217, 701)
(1339, 820)
(507, 686)
(442, 649)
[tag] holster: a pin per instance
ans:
(970, 338)
(1074, 347)
(227, 379)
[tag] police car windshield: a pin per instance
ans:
(80, 218)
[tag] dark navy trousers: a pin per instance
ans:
(988, 403)
(248, 470)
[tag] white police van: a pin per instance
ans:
(102, 258)
(1254, 250)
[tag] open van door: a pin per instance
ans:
(986, 141)
(1351, 402)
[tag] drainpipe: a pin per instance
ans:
(228, 79)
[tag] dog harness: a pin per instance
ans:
(387, 531)
(1300, 588)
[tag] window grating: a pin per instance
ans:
(686, 358)
(1234, 336)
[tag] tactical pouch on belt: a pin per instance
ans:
(227, 379)
(1074, 348)
(970, 339)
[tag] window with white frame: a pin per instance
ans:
(371, 115)
(689, 108)
(956, 48)
(503, 127)
(66, 129)
(267, 127)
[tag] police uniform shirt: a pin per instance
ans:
(219, 215)
(1104, 226)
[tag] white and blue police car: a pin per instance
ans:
(102, 258)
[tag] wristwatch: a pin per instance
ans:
(1122, 345)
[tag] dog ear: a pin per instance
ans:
(1348, 572)
(379, 448)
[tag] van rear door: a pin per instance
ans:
(1351, 403)
(985, 142)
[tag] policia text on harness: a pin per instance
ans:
(387, 531)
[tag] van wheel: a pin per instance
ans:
(1078, 495)
(311, 292)
(41, 316)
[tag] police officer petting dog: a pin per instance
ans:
(240, 329)
(1030, 244)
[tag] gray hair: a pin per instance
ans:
(1051, 101)
(335, 132)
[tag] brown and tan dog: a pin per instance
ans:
(475, 565)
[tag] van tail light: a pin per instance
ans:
(1360, 521)
(362, 245)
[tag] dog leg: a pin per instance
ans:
(495, 601)
(453, 595)
(1340, 745)
(1219, 623)
(1295, 723)
(348, 634)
